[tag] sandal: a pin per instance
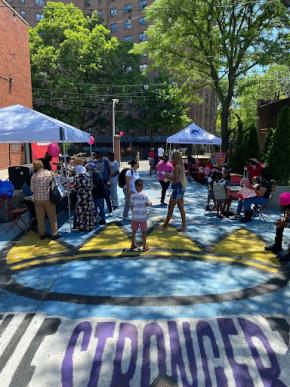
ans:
(146, 248)
(181, 229)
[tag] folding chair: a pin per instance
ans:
(17, 219)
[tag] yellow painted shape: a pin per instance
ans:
(30, 246)
(243, 243)
(170, 239)
(242, 262)
(112, 237)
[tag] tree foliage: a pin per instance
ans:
(271, 85)
(279, 152)
(78, 68)
(215, 41)
(268, 141)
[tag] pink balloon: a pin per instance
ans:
(91, 140)
(53, 149)
(122, 134)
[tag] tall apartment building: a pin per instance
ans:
(15, 79)
(125, 19)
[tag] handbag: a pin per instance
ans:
(6, 189)
(54, 192)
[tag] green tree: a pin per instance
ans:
(77, 66)
(215, 41)
(160, 109)
(251, 140)
(268, 141)
(237, 157)
(279, 152)
(273, 84)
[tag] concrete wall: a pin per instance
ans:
(15, 77)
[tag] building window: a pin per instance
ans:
(88, 3)
(114, 27)
(142, 21)
(23, 14)
(38, 16)
(127, 24)
(113, 12)
(142, 4)
(39, 3)
(143, 67)
(142, 37)
(127, 38)
(22, 1)
(127, 8)
(101, 13)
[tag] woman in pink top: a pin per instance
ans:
(164, 166)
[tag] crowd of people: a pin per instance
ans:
(95, 184)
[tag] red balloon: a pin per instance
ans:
(53, 149)
(91, 140)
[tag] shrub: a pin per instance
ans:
(279, 153)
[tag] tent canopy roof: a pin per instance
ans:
(193, 134)
(19, 124)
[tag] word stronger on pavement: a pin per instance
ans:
(50, 351)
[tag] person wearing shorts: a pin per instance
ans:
(178, 179)
(139, 203)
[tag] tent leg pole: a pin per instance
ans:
(68, 192)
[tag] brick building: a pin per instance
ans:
(125, 19)
(15, 78)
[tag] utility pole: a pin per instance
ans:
(115, 101)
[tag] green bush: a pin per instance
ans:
(251, 141)
(268, 141)
(246, 147)
(279, 153)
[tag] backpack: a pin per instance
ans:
(122, 177)
(6, 189)
(99, 186)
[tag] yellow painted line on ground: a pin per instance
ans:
(242, 261)
(171, 239)
(30, 246)
(119, 254)
(245, 244)
(112, 237)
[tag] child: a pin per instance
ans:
(139, 201)
(210, 195)
(219, 193)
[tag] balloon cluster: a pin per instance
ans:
(53, 149)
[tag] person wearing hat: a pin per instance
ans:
(84, 216)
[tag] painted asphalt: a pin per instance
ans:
(208, 307)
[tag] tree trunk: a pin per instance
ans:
(225, 115)
(224, 126)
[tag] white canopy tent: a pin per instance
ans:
(19, 124)
(193, 134)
